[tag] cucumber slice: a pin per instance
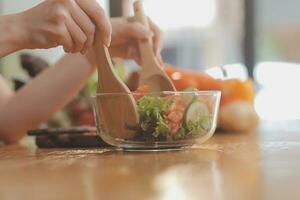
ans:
(197, 117)
(206, 123)
(188, 98)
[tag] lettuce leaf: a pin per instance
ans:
(151, 111)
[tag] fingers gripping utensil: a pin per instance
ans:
(152, 73)
(118, 112)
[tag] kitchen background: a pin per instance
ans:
(263, 35)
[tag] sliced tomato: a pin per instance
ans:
(174, 115)
(174, 128)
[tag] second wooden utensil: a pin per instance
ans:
(152, 73)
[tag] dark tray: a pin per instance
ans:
(75, 137)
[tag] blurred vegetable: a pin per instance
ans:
(235, 90)
(80, 112)
(232, 90)
(238, 116)
(183, 79)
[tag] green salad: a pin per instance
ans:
(172, 118)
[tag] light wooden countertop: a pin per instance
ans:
(263, 165)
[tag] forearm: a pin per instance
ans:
(9, 31)
(43, 96)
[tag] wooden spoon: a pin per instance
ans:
(152, 73)
(118, 111)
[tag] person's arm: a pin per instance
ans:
(9, 31)
(5, 92)
(36, 102)
(68, 23)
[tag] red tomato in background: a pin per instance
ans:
(85, 119)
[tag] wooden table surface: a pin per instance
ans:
(262, 165)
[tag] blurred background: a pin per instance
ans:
(260, 38)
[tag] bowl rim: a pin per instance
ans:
(201, 92)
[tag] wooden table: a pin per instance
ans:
(230, 166)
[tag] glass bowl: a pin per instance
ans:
(166, 119)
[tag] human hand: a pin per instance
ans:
(125, 35)
(67, 23)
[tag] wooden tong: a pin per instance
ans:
(116, 104)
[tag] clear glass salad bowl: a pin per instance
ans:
(166, 119)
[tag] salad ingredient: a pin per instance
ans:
(151, 111)
(197, 118)
(174, 115)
